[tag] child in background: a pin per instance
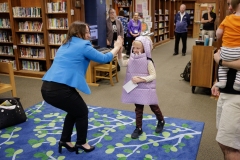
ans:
(140, 70)
(229, 30)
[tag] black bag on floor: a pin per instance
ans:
(186, 73)
(10, 115)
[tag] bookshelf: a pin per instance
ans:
(32, 31)
(123, 5)
(161, 21)
(29, 37)
(190, 9)
(58, 18)
(7, 54)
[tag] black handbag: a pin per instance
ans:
(11, 117)
(186, 73)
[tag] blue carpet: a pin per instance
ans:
(109, 130)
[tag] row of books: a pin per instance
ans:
(32, 66)
(32, 52)
(30, 26)
(5, 36)
(57, 23)
(35, 39)
(4, 7)
(56, 38)
(4, 23)
(189, 11)
(161, 31)
(166, 11)
(9, 60)
(26, 11)
(53, 52)
(55, 7)
(161, 25)
(162, 37)
(161, 18)
(6, 50)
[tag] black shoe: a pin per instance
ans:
(160, 126)
(136, 133)
(183, 54)
(64, 144)
(175, 54)
(85, 149)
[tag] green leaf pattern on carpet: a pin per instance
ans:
(104, 124)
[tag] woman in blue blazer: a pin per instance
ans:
(67, 74)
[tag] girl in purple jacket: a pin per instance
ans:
(140, 70)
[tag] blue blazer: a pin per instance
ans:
(71, 62)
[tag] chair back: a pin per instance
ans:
(108, 71)
(7, 68)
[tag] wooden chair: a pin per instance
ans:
(7, 68)
(106, 71)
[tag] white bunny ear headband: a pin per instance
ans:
(146, 33)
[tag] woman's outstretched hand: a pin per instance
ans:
(118, 42)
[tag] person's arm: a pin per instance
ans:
(108, 43)
(121, 62)
(214, 18)
(140, 27)
(215, 89)
(209, 16)
(219, 33)
(149, 78)
(99, 57)
(220, 29)
(121, 29)
(230, 64)
(188, 19)
(203, 20)
(129, 27)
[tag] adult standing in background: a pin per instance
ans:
(134, 30)
(114, 29)
(124, 21)
(208, 20)
(228, 109)
(182, 21)
(66, 74)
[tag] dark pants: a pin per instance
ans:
(183, 36)
(129, 44)
(125, 40)
(68, 99)
(139, 113)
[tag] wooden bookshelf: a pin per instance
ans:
(161, 17)
(27, 39)
(7, 54)
(122, 5)
(29, 36)
(190, 8)
(57, 23)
